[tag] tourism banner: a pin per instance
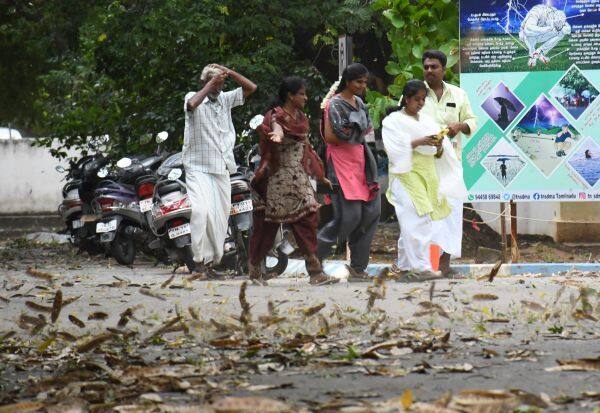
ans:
(531, 69)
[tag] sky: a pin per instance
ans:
(543, 115)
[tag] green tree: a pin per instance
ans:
(34, 37)
(575, 81)
(413, 27)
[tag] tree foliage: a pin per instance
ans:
(133, 62)
(575, 81)
(121, 68)
(415, 26)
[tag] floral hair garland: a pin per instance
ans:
(331, 92)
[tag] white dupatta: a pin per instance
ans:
(399, 130)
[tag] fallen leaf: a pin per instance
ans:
(41, 274)
(162, 329)
(76, 321)
(407, 398)
(93, 342)
(585, 364)
(69, 300)
(385, 345)
(310, 311)
(167, 282)
(249, 405)
(455, 368)
(264, 387)
(245, 316)
(485, 297)
(150, 293)
(22, 407)
(582, 315)
(431, 408)
(38, 307)
(492, 274)
(56, 306)
(532, 305)
(67, 336)
(98, 315)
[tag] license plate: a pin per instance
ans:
(90, 218)
(77, 223)
(180, 230)
(146, 205)
(240, 207)
(106, 226)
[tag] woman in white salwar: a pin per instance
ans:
(420, 160)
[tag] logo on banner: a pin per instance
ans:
(506, 197)
(582, 195)
(536, 196)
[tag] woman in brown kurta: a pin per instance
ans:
(283, 191)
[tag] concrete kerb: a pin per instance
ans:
(338, 269)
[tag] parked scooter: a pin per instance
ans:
(168, 215)
(123, 228)
(70, 208)
(76, 209)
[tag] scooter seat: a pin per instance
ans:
(168, 188)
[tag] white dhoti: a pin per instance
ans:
(210, 197)
(450, 229)
(417, 233)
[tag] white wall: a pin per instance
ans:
(547, 211)
(29, 184)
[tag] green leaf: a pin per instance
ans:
(395, 90)
(393, 68)
(395, 18)
(417, 51)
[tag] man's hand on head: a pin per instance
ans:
(216, 82)
(221, 68)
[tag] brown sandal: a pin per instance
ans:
(255, 275)
(322, 279)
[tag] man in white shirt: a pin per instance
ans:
(449, 106)
(208, 141)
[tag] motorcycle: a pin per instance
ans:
(75, 208)
(168, 212)
(123, 228)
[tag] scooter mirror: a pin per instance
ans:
(102, 173)
(162, 136)
(59, 169)
(174, 175)
(256, 121)
(124, 163)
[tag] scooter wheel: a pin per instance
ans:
(123, 248)
(280, 265)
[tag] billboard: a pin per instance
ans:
(531, 69)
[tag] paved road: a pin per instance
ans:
(510, 334)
